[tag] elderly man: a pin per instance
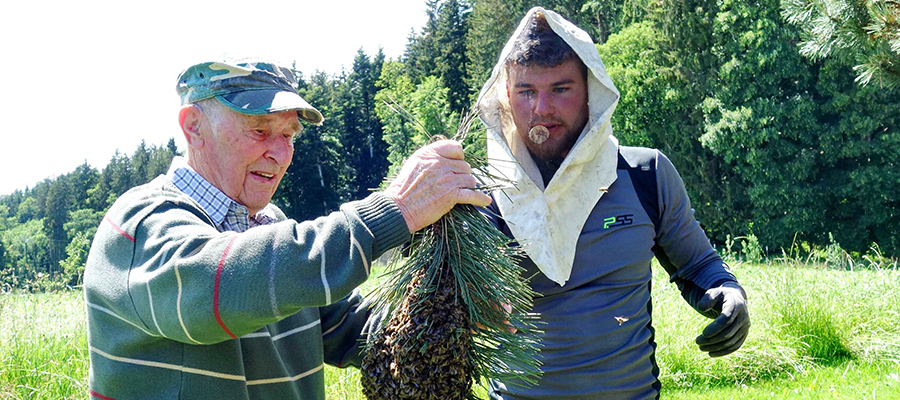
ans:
(198, 288)
(590, 215)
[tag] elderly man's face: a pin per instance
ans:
(555, 97)
(246, 156)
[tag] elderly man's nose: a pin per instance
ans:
(280, 149)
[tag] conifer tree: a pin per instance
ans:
(140, 164)
(361, 137)
(451, 40)
(316, 183)
(491, 24)
(81, 180)
(56, 215)
(172, 148)
(602, 18)
(2, 259)
(422, 51)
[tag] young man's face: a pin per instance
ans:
(554, 97)
(248, 155)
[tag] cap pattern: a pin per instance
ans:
(252, 88)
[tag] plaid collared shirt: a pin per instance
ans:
(227, 214)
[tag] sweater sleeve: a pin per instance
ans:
(190, 283)
(346, 325)
(682, 247)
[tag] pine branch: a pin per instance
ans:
(864, 31)
(465, 245)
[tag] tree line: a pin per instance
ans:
(775, 137)
(45, 231)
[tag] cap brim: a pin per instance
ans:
(258, 102)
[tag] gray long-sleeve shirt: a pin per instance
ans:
(586, 352)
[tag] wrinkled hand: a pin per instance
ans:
(431, 182)
(727, 332)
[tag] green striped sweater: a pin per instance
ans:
(179, 310)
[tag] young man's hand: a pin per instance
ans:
(509, 326)
(727, 332)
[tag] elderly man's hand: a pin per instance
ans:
(431, 182)
(727, 332)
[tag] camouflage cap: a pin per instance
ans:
(251, 87)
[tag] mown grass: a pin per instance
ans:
(817, 333)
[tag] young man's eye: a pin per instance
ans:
(560, 89)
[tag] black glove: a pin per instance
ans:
(729, 329)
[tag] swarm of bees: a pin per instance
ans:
(421, 353)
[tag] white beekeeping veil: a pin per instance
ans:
(548, 221)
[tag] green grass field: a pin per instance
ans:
(817, 333)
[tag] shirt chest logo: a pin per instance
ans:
(620, 220)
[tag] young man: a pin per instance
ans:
(590, 215)
(198, 288)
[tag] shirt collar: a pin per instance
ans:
(219, 206)
(209, 197)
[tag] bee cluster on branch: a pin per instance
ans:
(450, 299)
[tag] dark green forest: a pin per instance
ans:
(781, 116)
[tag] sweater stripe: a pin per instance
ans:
(116, 227)
(335, 326)
(362, 254)
(287, 378)
(152, 312)
(295, 330)
(180, 368)
(99, 396)
(178, 305)
(108, 311)
(216, 289)
(274, 304)
(256, 335)
(197, 371)
(162, 260)
(324, 279)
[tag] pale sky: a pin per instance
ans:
(84, 78)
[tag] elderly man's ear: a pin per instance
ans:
(190, 118)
